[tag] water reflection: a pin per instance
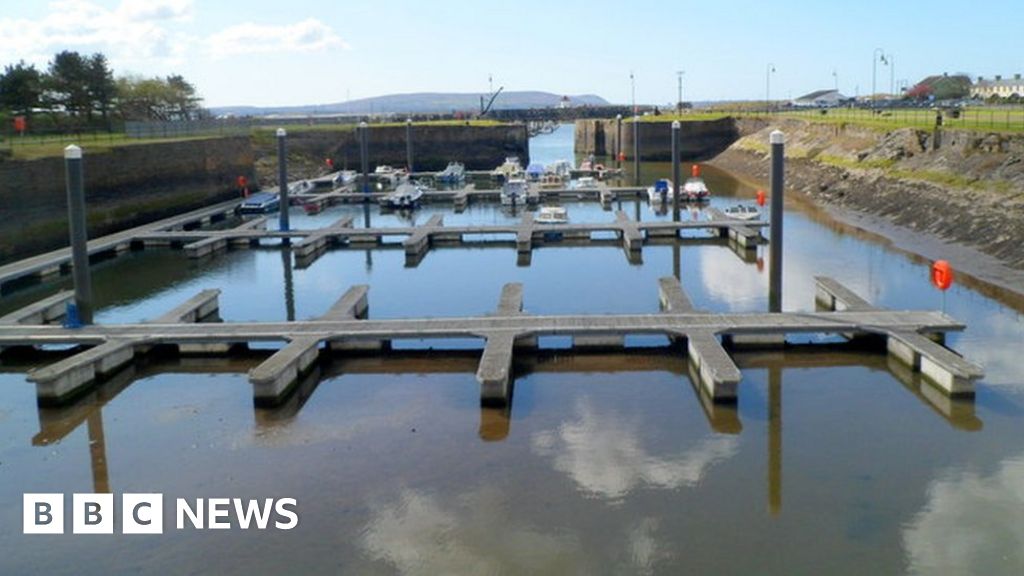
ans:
(972, 523)
(419, 534)
(603, 453)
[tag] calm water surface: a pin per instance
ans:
(833, 461)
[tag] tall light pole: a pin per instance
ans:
(768, 86)
(892, 75)
(679, 76)
(835, 80)
(875, 56)
(632, 88)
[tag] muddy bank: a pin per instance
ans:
(961, 200)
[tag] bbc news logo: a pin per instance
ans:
(144, 514)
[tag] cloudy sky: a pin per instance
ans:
(319, 51)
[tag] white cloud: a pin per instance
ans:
(309, 35)
(134, 31)
(971, 524)
(149, 10)
(604, 456)
(151, 34)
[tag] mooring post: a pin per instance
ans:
(365, 162)
(618, 140)
(778, 143)
(636, 150)
(408, 144)
(675, 171)
(282, 178)
(78, 233)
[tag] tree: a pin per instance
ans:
(183, 98)
(67, 84)
(157, 98)
(99, 84)
(21, 87)
(920, 92)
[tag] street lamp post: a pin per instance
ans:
(768, 86)
(835, 80)
(892, 75)
(679, 75)
(875, 56)
(632, 89)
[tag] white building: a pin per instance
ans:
(1004, 88)
(820, 99)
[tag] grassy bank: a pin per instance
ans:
(982, 119)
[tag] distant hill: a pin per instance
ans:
(417, 103)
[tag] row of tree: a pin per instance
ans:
(81, 90)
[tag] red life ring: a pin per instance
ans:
(942, 275)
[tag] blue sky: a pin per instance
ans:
(320, 51)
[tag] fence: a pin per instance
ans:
(994, 118)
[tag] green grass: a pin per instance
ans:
(46, 148)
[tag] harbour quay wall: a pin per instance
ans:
(125, 186)
(479, 147)
(698, 139)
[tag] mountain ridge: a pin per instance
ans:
(418, 103)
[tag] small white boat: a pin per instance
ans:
(388, 177)
(301, 187)
(344, 178)
(742, 212)
(510, 169)
(514, 192)
(661, 191)
(259, 203)
(560, 168)
(551, 181)
(405, 196)
(454, 173)
(552, 215)
(695, 190)
(586, 183)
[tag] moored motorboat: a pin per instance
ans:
(662, 191)
(511, 168)
(695, 189)
(742, 212)
(514, 192)
(404, 197)
(454, 173)
(534, 172)
(586, 183)
(260, 203)
(552, 215)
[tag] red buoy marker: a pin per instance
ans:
(695, 171)
(942, 275)
(761, 198)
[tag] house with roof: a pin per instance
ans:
(820, 99)
(1003, 88)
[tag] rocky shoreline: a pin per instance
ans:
(981, 233)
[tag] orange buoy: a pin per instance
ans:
(243, 181)
(622, 156)
(942, 275)
(329, 162)
(695, 170)
(761, 197)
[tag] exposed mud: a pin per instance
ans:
(961, 202)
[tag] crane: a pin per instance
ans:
(485, 109)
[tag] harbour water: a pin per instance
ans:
(834, 460)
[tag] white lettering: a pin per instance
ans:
(218, 508)
(292, 515)
(183, 509)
